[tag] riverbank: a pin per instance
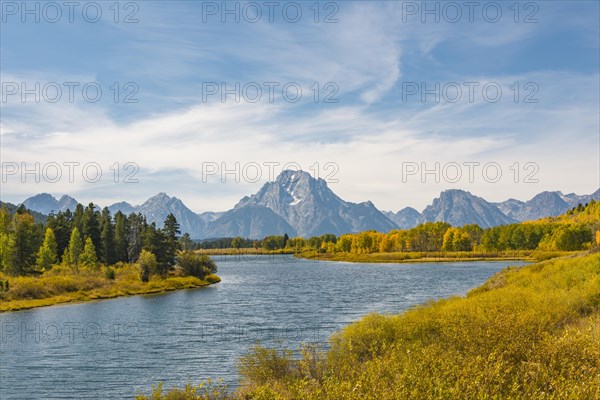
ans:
(58, 286)
(243, 252)
(529, 332)
(397, 257)
(453, 256)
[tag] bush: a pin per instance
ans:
(147, 265)
(262, 365)
(204, 391)
(197, 265)
(109, 273)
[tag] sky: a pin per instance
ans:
(390, 102)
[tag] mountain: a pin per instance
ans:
(249, 222)
(156, 209)
(123, 206)
(544, 204)
(573, 199)
(312, 209)
(458, 207)
(45, 203)
(510, 207)
(299, 205)
(210, 216)
(406, 218)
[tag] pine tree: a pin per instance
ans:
(171, 233)
(91, 226)
(75, 247)
(88, 258)
(78, 218)
(186, 243)
(23, 242)
(120, 237)
(47, 255)
(156, 242)
(285, 239)
(5, 219)
(136, 226)
(107, 237)
(62, 225)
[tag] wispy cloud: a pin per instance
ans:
(370, 53)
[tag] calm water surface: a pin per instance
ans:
(112, 349)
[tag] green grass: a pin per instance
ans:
(528, 333)
(61, 286)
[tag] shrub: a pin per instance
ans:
(109, 273)
(198, 265)
(262, 365)
(205, 391)
(147, 264)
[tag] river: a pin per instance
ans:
(111, 349)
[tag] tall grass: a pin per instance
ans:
(528, 333)
(436, 256)
(61, 285)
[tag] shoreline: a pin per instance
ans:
(396, 257)
(93, 295)
(433, 257)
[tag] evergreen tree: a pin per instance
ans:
(47, 255)
(120, 237)
(107, 237)
(62, 225)
(5, 220)
(285, 239)
(91, 226)
(171, 234)
(75, 247)
(185, 243)
(88, 258)
(78, 217)
(23, 242)
(156, 242)
(171, 227)
(135, 230)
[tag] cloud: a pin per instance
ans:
(172, 134)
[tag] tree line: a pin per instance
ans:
(578, 229)
(88, 238)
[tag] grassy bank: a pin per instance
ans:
(399, 256)
(62, 286)
(528, 333)
(417, 256)
(242, 252)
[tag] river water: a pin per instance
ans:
(114, 348)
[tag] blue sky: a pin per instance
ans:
(372, 55)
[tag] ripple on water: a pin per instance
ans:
(113, 348)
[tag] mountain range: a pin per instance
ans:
(300, 205)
